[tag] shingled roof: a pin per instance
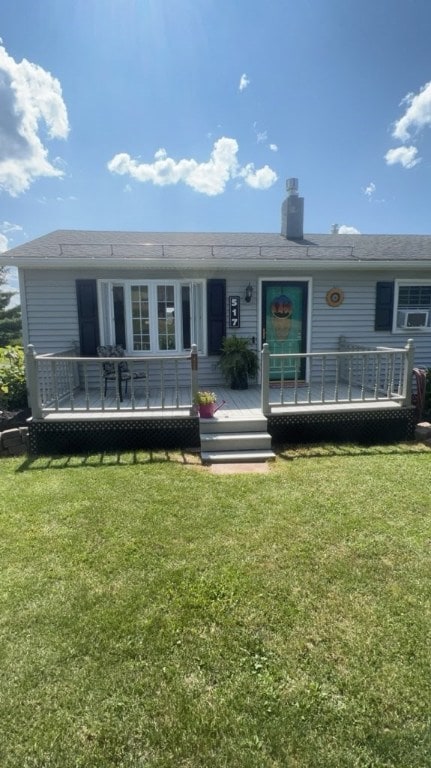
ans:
(65, 247)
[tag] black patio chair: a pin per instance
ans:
(109, 369)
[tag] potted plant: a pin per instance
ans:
(238, 361)
(206, 402)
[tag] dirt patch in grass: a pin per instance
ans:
(239, 468)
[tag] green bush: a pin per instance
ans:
(13, 391)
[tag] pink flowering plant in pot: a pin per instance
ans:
(206, 403)
(203, 397)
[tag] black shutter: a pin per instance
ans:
(216, 314)
(119, 315)
(186, 314)
(384, 306)
(88, 320)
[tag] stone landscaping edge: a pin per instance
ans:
(423, 432)
(14, 442)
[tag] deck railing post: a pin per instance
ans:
(34, 400)
(194, 371)
(75, 369)
(264, 384)
(408, 373)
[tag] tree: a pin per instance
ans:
(10, 317)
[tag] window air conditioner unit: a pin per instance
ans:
(414, 318)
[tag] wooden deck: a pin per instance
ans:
(355, 395)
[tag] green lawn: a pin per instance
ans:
(153, 614)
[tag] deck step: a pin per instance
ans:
(223, 424)
(235, 441)
(222, 457)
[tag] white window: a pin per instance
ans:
(413, 306)
(152, 316)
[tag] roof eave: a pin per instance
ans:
(88, 262)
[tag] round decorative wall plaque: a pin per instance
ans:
(335, 297)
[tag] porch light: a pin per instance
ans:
(248, 293)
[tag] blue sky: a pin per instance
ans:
(190, 114)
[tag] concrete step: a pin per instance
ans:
(218, 425)
(223, 457)
(226, 440)
(235, 441)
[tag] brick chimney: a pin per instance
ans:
(292, 212)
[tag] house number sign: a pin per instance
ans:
(234, 314)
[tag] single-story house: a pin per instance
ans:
(334, 314)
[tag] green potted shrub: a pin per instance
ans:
(238, 361)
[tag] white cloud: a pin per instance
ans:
(262, 137)
(345, 230)
(7, 226)
(29, 96)
(406, 156)
(3, 243)
(263, 178)
(208, 178)
(244, 82)
(11, 274)
(11, 284)
(417, 114)
(7, 234)
(370, 189)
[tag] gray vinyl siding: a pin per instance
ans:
(354, 318)
(51, 309)
(50, 302)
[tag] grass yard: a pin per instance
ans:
(156, 615)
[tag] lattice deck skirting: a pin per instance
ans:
(366, 427)
(71, 437)
(80, 436)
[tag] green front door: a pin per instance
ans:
(284, 326)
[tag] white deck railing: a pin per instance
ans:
(64, 382)
(57, 375)
(351, 376)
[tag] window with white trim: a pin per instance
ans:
(152, 316)
(413, 306)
